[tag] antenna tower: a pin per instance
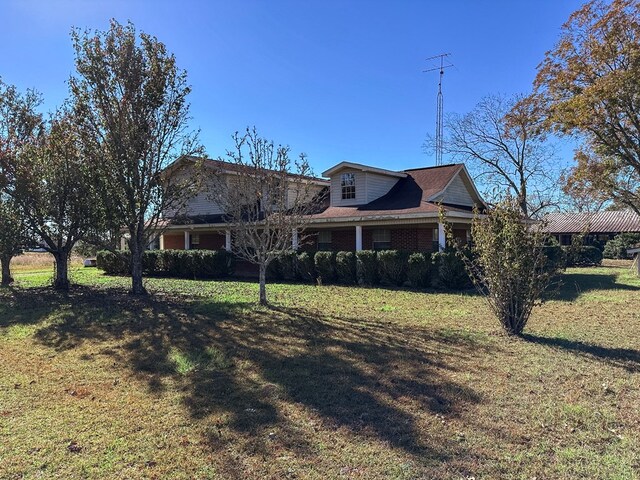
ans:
(439, 112)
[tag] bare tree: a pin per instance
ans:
(267, 199)
(503, 146)
(132, 101)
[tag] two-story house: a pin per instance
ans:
(367, 208)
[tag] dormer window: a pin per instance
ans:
(348, 185)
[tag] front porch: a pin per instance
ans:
(417, 237)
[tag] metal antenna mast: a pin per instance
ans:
(440, 109)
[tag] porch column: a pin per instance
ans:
(294, 239)
(123, 243)
(358, 238)
(161, 242)
(442, 239)
(186, 240)
(227, 240)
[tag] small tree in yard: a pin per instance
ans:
(131, 101)
(50, 182)
(508, 264)
(266, 197)
(12, 237)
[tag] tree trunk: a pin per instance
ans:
(6, 271)
(137, 288)
(263, 284)
(61, 280)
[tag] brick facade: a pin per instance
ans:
(208, 241)
(417, 239)
(174, 242)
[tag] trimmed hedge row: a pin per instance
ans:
(370, 268)
(172, 263)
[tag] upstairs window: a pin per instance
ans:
(382, 239)
(348, 185)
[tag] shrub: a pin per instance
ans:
(366, 267)
(582, 256)
(153, 262)
(346, 267)
(306, 267)
(419, 267)
(289, 265)
(173, 263)
(617, 247)
(114, 263)
(325, 266)
(273, 270)
(556, 259)
(392, 267)
(509, 265)
(450, 271)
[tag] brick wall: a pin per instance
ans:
(211, 241)
(208, 241)
(174, 242)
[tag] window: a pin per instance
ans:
(324, 240)
(381, 239)
(348, 185)
(195, 240)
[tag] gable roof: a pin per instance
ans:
(613, 221)
(233, 168)
(413, 194)
(364, 168)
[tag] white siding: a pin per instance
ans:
(199, 204)
(312, 191)
(378, 185)
(336, 190)
(457, 193)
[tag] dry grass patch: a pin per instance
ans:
(332, 382)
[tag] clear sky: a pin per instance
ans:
(338, 80)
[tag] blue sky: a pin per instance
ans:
(338, 80)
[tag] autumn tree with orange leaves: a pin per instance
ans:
(589, 83)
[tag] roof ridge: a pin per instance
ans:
(432, 167)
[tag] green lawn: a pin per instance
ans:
(195, 381)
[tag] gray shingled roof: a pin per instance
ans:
(614, 221)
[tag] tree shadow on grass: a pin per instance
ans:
(626, 358)
(253, 367)
(575, 284)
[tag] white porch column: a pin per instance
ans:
(161, 242)
(123, 243)
(227, 240)
(186, 240)
(442, 239)
(358, 238)
(294, 239)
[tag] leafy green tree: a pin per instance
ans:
(50, 182)
(617, 247)
(12, 237)
(20, 124)
(589, 85)
(131, 102)
(508, 263)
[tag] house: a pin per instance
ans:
(597, 227)
(366, 208)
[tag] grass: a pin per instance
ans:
(195, 381)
